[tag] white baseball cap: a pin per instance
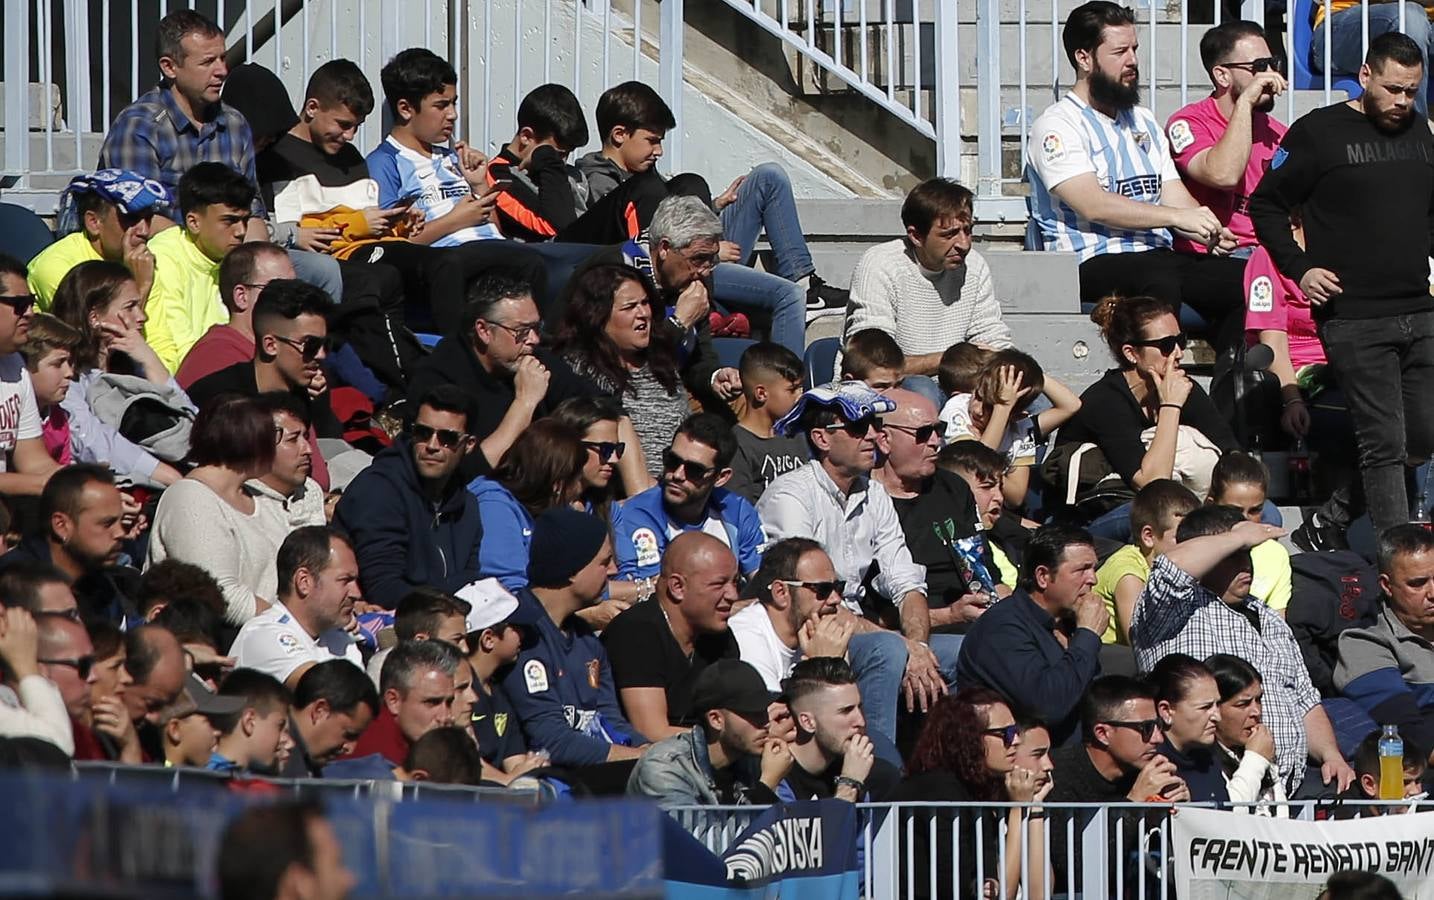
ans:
(489, 604)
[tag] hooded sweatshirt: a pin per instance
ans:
(603, 174)
(507, 534)
(403, 540)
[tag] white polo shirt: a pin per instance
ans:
(276, 644)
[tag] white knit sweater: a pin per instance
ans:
(925, 312)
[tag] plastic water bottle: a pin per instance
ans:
(1391, 764)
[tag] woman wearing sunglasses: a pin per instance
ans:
(102, 301)
(614, 464)
(1187, 702)
(614, 332)
(1146, 416)
(967, 753)
(541, 470)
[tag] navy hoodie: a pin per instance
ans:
(402, 540)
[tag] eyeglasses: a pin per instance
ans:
(702, 262)
(1007, 734)
(82, 666)
(308, 346)
(820, 588)
(520, 333)
(606, 450)
(692, 471)
(19, 303)
(922, 433)
(1263, 64)
(1146, 727)
(1166, 345)
(448, 438)
(859, 428)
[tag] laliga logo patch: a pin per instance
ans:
(535, 676)
(644, 544)
(1181, 136)
(1262, 295)
(1052, 147)
(289, 643)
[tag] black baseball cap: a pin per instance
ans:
(731, 684)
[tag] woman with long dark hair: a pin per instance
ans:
(612, 463)
(967, 752)
(101, 300)
(1243, 744)
(541, 470)
(614, 333)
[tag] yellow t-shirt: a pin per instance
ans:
(51, 265)
(1272, 575)
(184, 301)
(1004, 567)
(1128, 560)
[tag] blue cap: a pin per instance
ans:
(134, 194)
(853, 400)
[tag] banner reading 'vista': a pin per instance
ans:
(1233, 856)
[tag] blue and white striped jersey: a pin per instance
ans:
(434, 183)
(1129, 155)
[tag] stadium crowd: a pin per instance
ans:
(254, 524)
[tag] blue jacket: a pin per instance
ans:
(403, 541)
(639, 531)
(507, 534)
(562, 692)
(1011, 649)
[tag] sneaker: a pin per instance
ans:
(1314, 536)
(824, 300)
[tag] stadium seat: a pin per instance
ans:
(428, 340)
(1302, 74)
(820, 361)
(730, 350)
(26, 233)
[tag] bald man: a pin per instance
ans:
(67, 658)
(658, 648)
(155, 660)
(937, 514)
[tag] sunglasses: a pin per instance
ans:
(82, 666)
(308, 347)
(1165, 345)
(702, 262)
(922, 433)
(1263, 64)
(1007, 734)
(820, 588)
(606, 450)
(692, 471)
(859, 428)
(448, 438)
(1146, 727)
(19, 303)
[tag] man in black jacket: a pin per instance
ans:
(496, 363)
(1362, 175)
(411, 521)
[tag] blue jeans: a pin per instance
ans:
(879, 660)
(741, 288)
(320, 270)
(1347, 29)
(764, 201)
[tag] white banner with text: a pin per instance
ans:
(1236, 856)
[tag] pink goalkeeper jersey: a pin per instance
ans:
(1275, 303)
(1200, 126)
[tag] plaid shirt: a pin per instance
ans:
(1176, 614)
(152, 137)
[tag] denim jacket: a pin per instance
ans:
(677, 772)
